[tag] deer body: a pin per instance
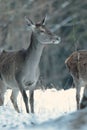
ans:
(19, 70)
(77, 65)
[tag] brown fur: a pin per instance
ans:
(77, 65)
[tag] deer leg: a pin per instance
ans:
(18, 86)
(14, 99)
(2, 92)
(78, 88)
(83, 103)
(25, 98)
(24, 95)
(78, 97)
(32, 101)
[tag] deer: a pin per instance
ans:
(19, 70)
(77, 66)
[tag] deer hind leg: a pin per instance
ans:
(2, 92)
(32, 101)
(83, 103)
(78, 88)
(14, 99)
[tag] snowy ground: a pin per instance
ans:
(52, 110)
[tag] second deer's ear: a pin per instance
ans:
(29, 23)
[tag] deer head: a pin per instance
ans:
(43, 35)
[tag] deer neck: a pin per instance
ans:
(34, 51)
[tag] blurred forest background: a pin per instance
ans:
(67, 18)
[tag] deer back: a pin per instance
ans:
(77, 64)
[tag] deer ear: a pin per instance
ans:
(29, 23)
(44, 20)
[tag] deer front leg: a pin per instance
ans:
(78, 88)
(2, 92)
(25, 98)
(24, 95)
(32, 100)
(14, 99)
(23, 92)
(83, 103)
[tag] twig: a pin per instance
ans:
(64, 22)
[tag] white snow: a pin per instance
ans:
(52, 112)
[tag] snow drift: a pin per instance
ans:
(54, 110)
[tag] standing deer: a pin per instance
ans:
(19, 70)
(77, 65)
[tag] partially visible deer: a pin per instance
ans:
(77, 65)
(19, 70)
